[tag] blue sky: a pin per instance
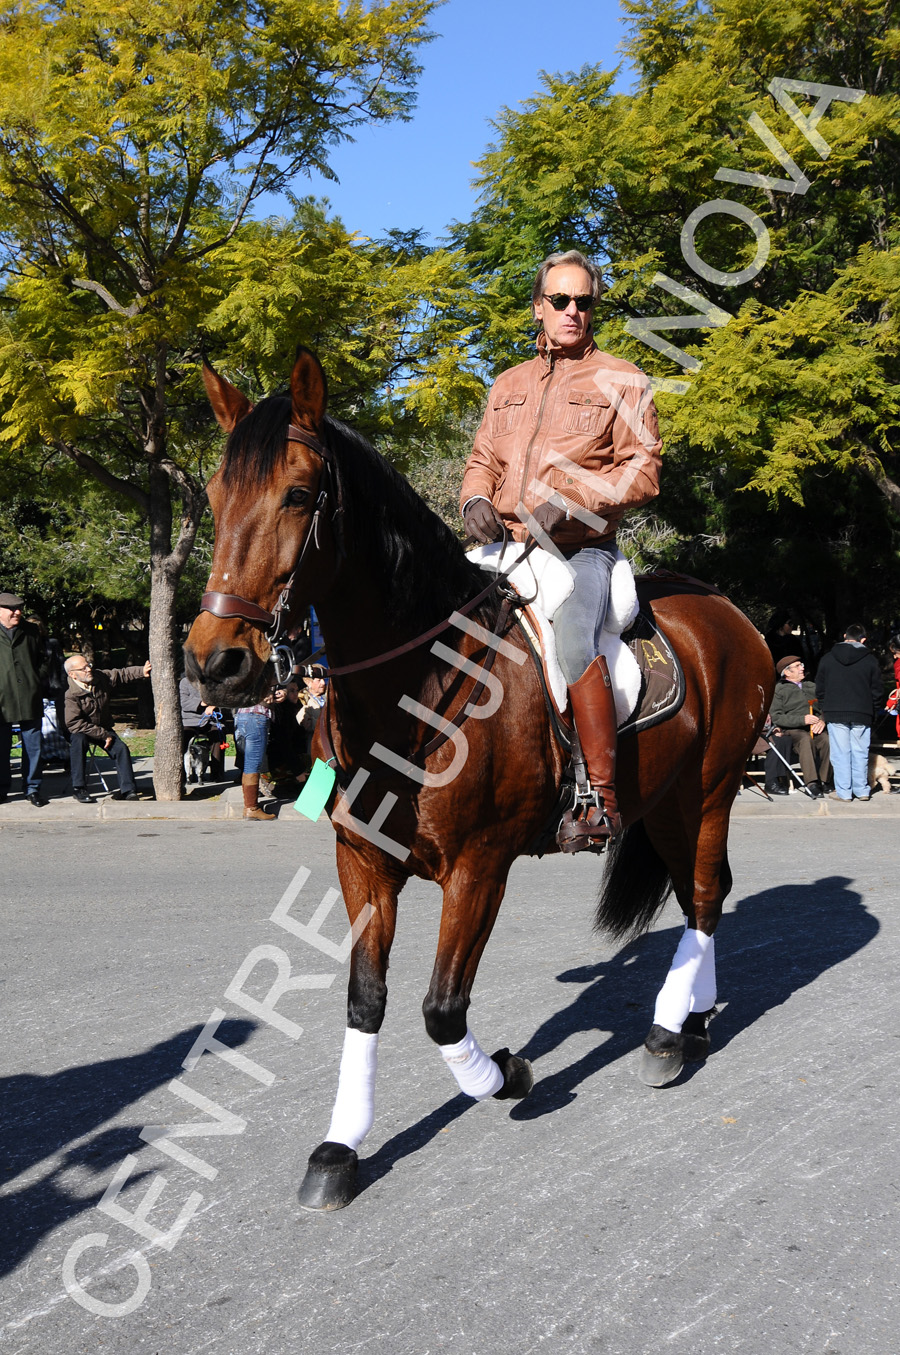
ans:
(488, 55)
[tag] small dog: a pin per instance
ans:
(879, 773)
(198, 756)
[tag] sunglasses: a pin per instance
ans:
(559, 301)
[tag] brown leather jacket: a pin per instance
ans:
(87, 709)
(583, 425)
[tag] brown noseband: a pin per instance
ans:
(229, 605)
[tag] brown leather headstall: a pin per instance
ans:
(229, 605)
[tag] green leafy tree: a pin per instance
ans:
(134, 142)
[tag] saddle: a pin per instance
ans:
(647, 680)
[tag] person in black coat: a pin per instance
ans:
(851, 693)
(22, 671)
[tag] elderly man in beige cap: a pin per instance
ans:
(21, 663)
(795, 711)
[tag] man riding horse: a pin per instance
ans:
(568, 442)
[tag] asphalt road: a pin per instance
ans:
(751, 1207)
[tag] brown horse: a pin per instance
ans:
(307, 513)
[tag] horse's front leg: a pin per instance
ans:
(371, 883)
(472, 898)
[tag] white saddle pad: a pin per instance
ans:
(546, 582)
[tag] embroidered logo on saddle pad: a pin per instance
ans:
(662, 681)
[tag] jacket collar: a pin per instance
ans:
(550, 352)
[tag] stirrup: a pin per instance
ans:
(589, 826)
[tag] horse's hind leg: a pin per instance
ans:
(331, 1177)
(472, 900)
(697, 859)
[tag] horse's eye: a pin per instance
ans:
(296, 497)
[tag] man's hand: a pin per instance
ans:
(109, 742)
(147, 667)
(549, 517)
(482, 521)
(816, 725)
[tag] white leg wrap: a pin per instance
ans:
(476, 1072)
(691, 974)
(354, 1106)
(703, 993)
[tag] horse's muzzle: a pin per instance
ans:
(229, 675)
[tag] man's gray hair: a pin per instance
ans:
(569, 256)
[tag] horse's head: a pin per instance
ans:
(272, 550)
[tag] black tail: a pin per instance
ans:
(635, 885)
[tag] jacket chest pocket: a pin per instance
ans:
(585, 413)
(508, 411)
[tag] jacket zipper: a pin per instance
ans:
(537, 429)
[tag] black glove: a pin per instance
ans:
(482, 521)
(548, 517)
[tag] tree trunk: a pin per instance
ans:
(168, 766)
(871, 466)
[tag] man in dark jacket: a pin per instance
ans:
(89, 720)
(21, 703)
(851, 692)
(794, 712)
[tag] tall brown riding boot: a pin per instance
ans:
(596, 817)
(250, 787)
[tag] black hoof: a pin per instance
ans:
(695, 1036)
(658, 1070)
(330, 1181)
(518, 1076)
(662, 1057)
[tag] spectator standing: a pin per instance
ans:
(780, 635)
(251, 732)
(89, 721)
(312, 701)
(850, 692)
(288, 758)
(199, 718)
(894, 646)
(795, 713)
(22, 672)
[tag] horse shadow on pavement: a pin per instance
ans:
(770, 946)
(40, 1116)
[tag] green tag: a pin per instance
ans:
(314, 795)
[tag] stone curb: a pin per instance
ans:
(229, 806)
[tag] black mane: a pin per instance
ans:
(415, 559)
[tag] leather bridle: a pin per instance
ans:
(229, 605)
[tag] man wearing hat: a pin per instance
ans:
(21, 702)
(795, 712)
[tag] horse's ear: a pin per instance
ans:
(229, 405)
(309, 390)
